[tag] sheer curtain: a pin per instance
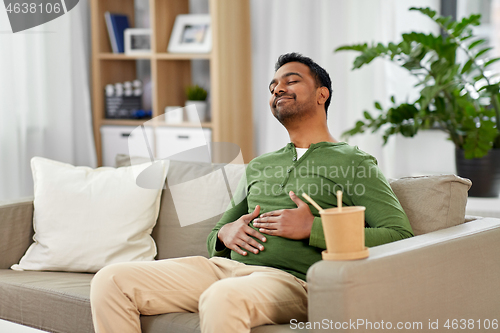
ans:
(44, 97)
(315, 28)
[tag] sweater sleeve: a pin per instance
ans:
(234, 212)
(385, 218)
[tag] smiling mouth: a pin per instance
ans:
(281, 98)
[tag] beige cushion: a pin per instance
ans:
(432, 202)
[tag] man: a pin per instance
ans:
(262, 247)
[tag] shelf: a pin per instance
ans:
(124, 122)
(182, 56)
(163, 56)
(171, 73)
(121, 56)
(133, 122)
(185, 124)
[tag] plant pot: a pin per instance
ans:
(483, 172)
(199, 113)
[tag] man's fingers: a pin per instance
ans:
(257, 235)
(269, 231)
(256, 211)
(270, 224)
(273, 213)
(252, 215)
(241, 245)
(267, 221)
(295, 199)
(250, 244)
(236, 248)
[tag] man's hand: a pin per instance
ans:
(289, 223)
(238, 235)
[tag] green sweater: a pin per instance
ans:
(323, 169)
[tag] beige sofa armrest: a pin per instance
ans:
(452, 273)
(16, 230)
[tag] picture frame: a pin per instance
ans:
(192, 33)
(137, 41)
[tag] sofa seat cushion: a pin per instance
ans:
(190, 323)
(59, 302)
(50, 301)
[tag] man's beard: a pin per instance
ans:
(291, 113)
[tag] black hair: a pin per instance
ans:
(319, 73)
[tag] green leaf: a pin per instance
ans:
(359, 128)
(393, 48)
(479, 140)
(467, 66)
(471, 111)
(367, 115)
(474, 19)
(393, 99)
(356, 47)
(483, 51)
(378, 106)
(381, 48)
(476, 43)
(196, 93)
(388, 132)
(426, 11)
(478, 77)
(489, 62)
(405, 47)
(466, 37)
(440, 105)
(401, 113)
(412, 64)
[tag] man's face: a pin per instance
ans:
(293, 93)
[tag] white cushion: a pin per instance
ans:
(85, 219)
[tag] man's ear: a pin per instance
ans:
(322, 95)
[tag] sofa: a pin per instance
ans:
(437, 278)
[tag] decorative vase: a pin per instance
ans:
(483, 172)
(199, 113)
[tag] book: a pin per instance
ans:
(116, 23)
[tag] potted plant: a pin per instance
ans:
(461, 99)
(196, 96)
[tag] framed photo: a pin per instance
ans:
(137, 41)
(192, 33)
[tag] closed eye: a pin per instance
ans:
(272, 87)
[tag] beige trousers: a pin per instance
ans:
(230, 296)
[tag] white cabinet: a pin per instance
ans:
(183, 143)
(129, 140)
(174, 143)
